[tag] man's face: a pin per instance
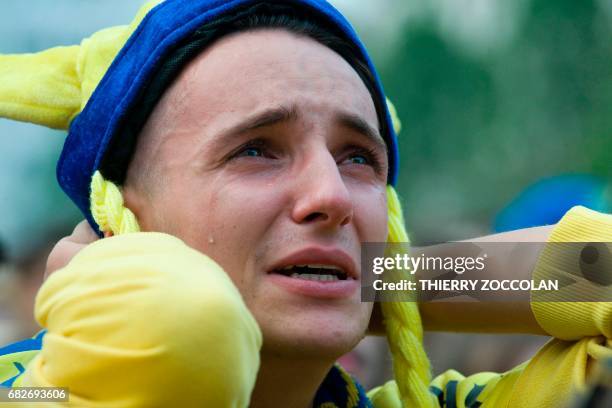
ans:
(264, 155)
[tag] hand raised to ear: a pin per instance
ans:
(67, 247)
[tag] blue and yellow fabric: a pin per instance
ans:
(339, 388)
(15, 357)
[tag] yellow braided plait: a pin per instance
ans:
(404, 329)
(395, 120)
(107, 207)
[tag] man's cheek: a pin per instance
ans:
(371, 219)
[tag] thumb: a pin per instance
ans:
(83, 233)
(66, 248)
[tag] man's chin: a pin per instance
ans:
(323, 348)
(313, 337)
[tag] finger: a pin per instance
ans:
(83, 233)
(61, 254)
(66, 248)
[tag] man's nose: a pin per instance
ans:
(322, 196)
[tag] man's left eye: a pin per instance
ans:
(364, 157)
(359, 159)
(251, 152)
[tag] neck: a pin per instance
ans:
(285, 382)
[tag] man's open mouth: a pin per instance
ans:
(313, 272)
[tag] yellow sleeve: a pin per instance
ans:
(564, 319)
(581, 331)
(582, 334)
(143, 320)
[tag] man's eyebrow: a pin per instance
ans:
(264, 118)
(360, 125)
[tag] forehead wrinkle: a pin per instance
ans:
(257, 59)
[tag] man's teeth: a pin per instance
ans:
(314, 276)
(314, 266)
(314, 272)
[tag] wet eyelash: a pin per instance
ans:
(254, 143)
(371, 154)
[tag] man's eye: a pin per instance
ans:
(254, 148)
(250, 152)
(364, 157)
(359, 159)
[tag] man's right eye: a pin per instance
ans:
(253, 148)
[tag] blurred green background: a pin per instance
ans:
(494, 96)
(506, 109)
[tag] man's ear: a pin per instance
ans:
(377, 325)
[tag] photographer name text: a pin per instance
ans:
(453, 285)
